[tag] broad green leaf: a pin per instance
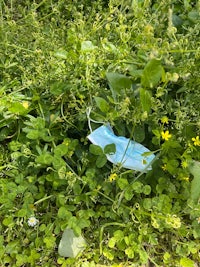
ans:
(87, 46)
(61, 150)
(36, 123)
(70, 245)
(58, 88)
(21, 259)
(50, 241)
(17, 108)
(22, 213)
(95, 150)
(62, 172)
(101, 161)
(172, 165)
(128, 194)
(61, 54)
(83, 223)
(139, 133)
(152, 73)
(14, 145)
(129, 252)
(112, 242)
(119, 235)
(45, 158)
(185, 262)
(134, 71)
(145, 99)
(58, 162)
(194, 16)
(194, 169)
(122, 183)
(177, 21)
(12, 247)
(108, 254)
(110, 149)
(118, 82)
(64, 213)
(137, 187)
(147, 189)
(8, 221)
(33, 134)
(102, 104)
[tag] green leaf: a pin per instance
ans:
(119, 235)
(22, 213)
(102, 104)
(70, 245)
(21, 259)
(14, 145)
(83, 223)
(194, 16)
(129, 252)
(139, 133)
(8, 221)
(101, 161)
(61, 54)
(95, 150)
(108, 254)
(122, 183)
(137, 187)
(58, 88)
(64, 213)
(185, 262)
(58, 162)
(17, 108)
(110, 149)
(33, 134)
(87, 46)
(152, 73)
(112, 242)
(50, 241)
(194, 169)
(61, 150)
(145, 99)
(118, 82)
(147, 189)
(177, 21)
(62, 172)
(45, 158)
(128, 194)
(172, 165)
(13, 247)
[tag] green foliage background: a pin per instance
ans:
(132, 63)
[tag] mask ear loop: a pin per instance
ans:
(88, 111)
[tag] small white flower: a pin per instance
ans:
(32, 221)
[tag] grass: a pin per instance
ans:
(133, 64)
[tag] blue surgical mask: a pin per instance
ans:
(129, 154)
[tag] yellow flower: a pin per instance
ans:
(184, 164)
(164, 167)
(165, 120)
(112, 177)
(25, 104)
(166, 135)
(196, 141)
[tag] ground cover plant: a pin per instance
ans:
(133, 64)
